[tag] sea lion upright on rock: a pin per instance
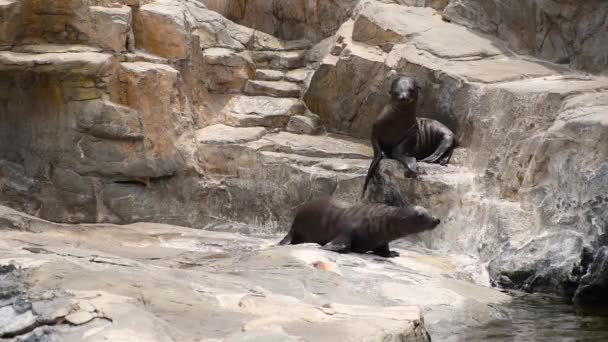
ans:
(360, 229)
(398, 134)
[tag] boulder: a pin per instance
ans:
(161, 29)
(305, 124)
(10, 17)
(111, 28)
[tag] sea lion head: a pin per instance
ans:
(418, 219)
(404, 91)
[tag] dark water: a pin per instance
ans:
(544, 318)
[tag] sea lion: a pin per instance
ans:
(342, 228)
(398, 134)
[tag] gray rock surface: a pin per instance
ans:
(593, 285)
(160, 283)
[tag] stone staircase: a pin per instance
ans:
(272, 98)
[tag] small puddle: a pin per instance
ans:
(543, 318)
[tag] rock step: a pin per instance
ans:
(266, 42)
(71, 59)
(266, 111)
(305, 124)
(296, 75)
(272, 88)
(279, 59)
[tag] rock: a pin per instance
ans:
(318, 51)
(220, 276)
(221, 134)
(301, 124)
(79, 317)
(265, 42)
(272, 88)
(12, 322)
(107, 120)
(551, 30)
(164, 118)
(319, 146)
(298, 75)
(297, 19)
(268, 75)
(88, 63)
(379, 24)
(227, 71)
(156, 22)
(111, 28)
(592, 286)
(279, 59)
(10, 12)
(246, 111)
(338, 97)
(219, 155)
(215, 31)
(545, 264)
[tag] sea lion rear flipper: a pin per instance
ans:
(340, 244)
(446, 146)
(385, 252)
(443, 161)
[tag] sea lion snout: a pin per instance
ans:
(425, 219)
(404, 90)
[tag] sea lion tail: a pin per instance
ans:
(370, 172)
(286, 240)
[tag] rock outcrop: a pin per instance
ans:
(568, 32)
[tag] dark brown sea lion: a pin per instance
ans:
(360, 229)
(399, 135)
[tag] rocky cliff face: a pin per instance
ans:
(167, 111)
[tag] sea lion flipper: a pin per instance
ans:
(446, 146)
(385, 252)
(411, 169)
(286, 240)
(340, 244)
(374, 163)
(443, 161)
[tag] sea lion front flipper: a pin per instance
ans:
(400, 153)
(374, 163)
(385, 252)
(411, 169)
(340, 244)
(443, 161)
